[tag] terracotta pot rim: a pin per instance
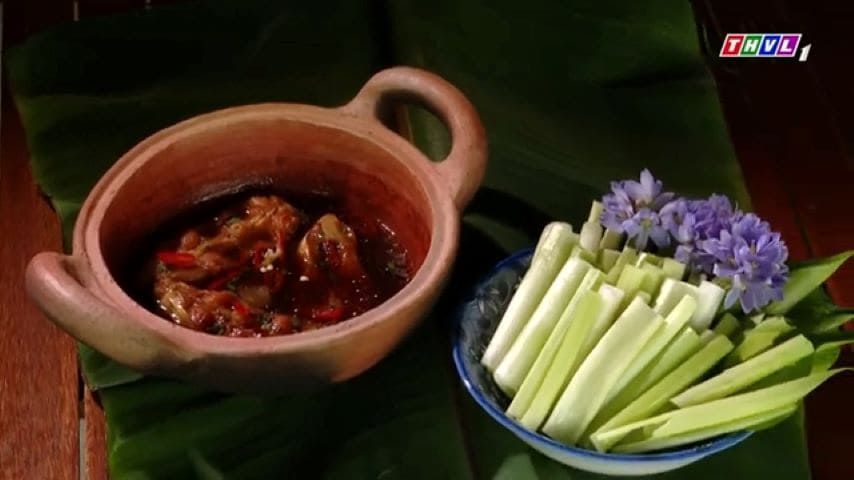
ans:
(443, 239)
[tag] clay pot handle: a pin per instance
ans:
(52, 282)
(463, 169)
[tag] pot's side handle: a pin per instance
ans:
(52, 282)
(464, 167)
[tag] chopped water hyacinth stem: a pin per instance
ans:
(591, 231)
(709, 298)
(754, 422)
(554, 248)
(673, 269)
(718, 412)
(522, 354)
(758, 339)
(656, 397)
(590, 307)
(607, 259)
(611, 239)
(627, 257)
(544, 354)
(613, 300)
(741, 376)
(587, 390)
(550, 234)
(671, 293)
(673, 324)
(728, 325)
(686, 344)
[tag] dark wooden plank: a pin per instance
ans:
(756, 147)
(38, 362)
(39, 409)
(822, 192)
(96, 437)
(798, 172)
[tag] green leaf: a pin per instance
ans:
(817, 313)
(805, 277)
(759, 339)
(832, 337)
(101, 372)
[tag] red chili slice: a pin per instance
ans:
(221, 281)
(328, 314)
(241, 309)
(177, 259)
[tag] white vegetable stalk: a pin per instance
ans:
(549, 235)
(673, 268)
(752, 422)
(686, 344)
(645, 296)
(647, 258)
(709, 299)
(630, 280)
(627, 257)
(613, 298)
(611, 239)
(520, 357)
(591, 231)
(671, 293)
(673, 324)
(745, 374)
(759, 339)
(589, 308)
(607, 258)
(707, 336)
(728, 325)
(583, 253)
(553, 250)
(656, 397)
(653, 277)
(598, 373)
(719, 412)
(544, 354)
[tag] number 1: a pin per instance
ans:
(805, 52)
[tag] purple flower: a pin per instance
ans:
(752, 259)
(712, 215)
(679, 220)
(632, 208)
(691, 222)
(647, 192)
(617, 207)
(645, 225)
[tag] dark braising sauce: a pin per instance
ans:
(254, 264)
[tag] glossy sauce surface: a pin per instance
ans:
(260, 263)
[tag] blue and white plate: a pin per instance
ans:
(477, 320)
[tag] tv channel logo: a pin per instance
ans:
(764, 45)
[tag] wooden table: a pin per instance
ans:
(792, 125)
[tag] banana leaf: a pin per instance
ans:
(573, 94)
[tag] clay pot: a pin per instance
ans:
(344, 150)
